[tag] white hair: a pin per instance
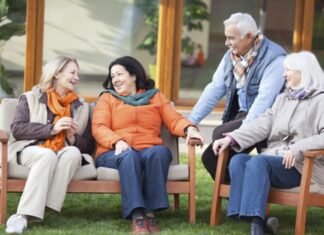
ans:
(312, 75)
(244, 22)
(51, 68)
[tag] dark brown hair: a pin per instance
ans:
(133, 67)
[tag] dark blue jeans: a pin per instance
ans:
(143, 175)
(251, 180)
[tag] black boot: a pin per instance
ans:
(257, 226)
(272, 225)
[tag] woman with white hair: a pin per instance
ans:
(50, 132)
(293, 125)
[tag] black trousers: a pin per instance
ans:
(209, 158)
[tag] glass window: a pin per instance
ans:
(210, 40)
(95, 32)
(318, 31)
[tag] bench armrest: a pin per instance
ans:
(4, 158)
(3, 136)
(314, 153)
(195, 142)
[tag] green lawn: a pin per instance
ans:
(101, 214)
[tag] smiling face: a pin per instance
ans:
(123, 83)
(66, 80)
(293, 78)
(234, 41)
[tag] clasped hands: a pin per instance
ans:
(69, 125)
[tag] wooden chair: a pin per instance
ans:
(301, 197)
(88, 179)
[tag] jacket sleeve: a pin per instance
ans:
(174, 121)
(85, 142)
(212, 93)
(23, 129)
(256, 131)
(101, 123)
(313, 142)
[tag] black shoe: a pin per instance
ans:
(257, 229)
(272, 225)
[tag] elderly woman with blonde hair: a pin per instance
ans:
(50, 132)
(293, 125)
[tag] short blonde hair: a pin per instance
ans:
(51, 68)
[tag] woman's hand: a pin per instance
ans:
(121, 146)
(70, 133)
(221, 144)
(193, 133)
(288, 159)
(65, 123)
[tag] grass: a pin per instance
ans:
(101, 214)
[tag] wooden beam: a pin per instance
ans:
(175, 83)
(34, 42)
(308, 22)
(298, 25)
(303, 28)
(168, 48)
(160, 59)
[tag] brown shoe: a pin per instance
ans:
(152, 225)
(139, 226)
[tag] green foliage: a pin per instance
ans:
(98, 214)
(151, 13)
(12, 18)
(195, 12)
(4, 83)
(12, 23)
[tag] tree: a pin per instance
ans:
(12, 23)
(194, 13)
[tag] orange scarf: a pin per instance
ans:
(60, 107)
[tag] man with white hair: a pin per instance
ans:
(250, 76)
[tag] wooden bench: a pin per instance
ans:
(88, 179)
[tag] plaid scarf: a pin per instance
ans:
(242, 63)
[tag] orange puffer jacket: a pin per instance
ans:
(139, 126)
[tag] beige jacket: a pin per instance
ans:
(291, 124)
(38, 114)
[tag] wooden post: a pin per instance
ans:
(34, 42)
(298, 26)
(308, 23)
(303, 29)
(169, 46)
